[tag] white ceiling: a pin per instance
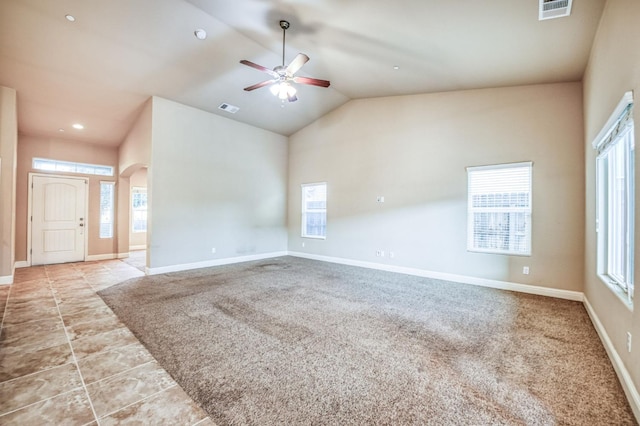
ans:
(100, 69)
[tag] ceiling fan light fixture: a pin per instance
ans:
(200, 34)
(283, 90)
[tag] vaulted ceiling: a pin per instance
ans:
(100, 69)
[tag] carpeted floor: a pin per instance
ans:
(295, 341)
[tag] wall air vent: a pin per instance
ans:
(229, 108)
(550, 9)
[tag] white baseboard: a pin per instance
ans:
(22, 264)
(6, 280)
(93, 257)
(122, 255)
(623, 374)
(209, 263)
(140, 247)
(503, 285)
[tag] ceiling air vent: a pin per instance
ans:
(229, 108)
(550, 9)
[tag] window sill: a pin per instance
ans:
(619, 292)
(314, 237)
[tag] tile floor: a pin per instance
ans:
(65, 359)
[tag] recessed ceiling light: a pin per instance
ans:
(78, 126)
(61, 129)
(395, 67)
(70, 18)
(200, 34)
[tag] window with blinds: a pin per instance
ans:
(314, 210)
(499, 209)
(615, 201)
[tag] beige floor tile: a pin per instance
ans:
(27, 274)
(21, 363)
(169, 407)
(33, 336)
(106, 364)
(20, 392)
(87, 315)
(26, 314)
(71, 408)
(39, 379)
(91, 328)
(129, 387)
(103, 342)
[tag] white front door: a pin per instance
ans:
(58, 224)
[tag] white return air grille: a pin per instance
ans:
(550, 9)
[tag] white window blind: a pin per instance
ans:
(615, 201)
(499, 208)
(314, 210)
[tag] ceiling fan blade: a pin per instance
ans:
(272, 73)
(297, 63)
(312, 81)
(259, 85)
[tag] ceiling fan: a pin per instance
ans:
(283, 75)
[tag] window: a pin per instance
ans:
(106, 209)
(68, 167)
(138, 209)
(314, 210)
(499, 209)
(615, 203)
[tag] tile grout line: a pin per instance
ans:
(73, 354)
(125, 371)
(139, 400)
(40, 402)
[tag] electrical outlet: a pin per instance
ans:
(380, 198)
(379, 253)
(392, 255)
(525, 270)
(213, 250)
(303, 244)
(628, 341)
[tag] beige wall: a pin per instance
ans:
(134, 154)
(413, 150)
(65, 150)
(614, 68)
(213, 183)
(135, 150)
(8, 148)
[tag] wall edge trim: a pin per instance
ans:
(6, 280)
(464, 279)
(209, 263)
(621, 371)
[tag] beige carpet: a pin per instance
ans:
(295, 341)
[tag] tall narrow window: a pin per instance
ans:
(138, 209)
(499, 209)
(314, 210)
(106, 209)
(615, 200)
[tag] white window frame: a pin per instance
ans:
(138, 190)
(49, 165)
(479, 184)
(615, 226)
(306, 210)
(107, 211)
